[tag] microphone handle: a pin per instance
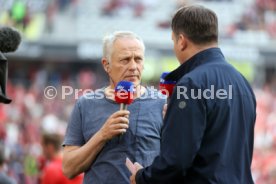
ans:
(122, 107)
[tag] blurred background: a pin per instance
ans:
(62, 46)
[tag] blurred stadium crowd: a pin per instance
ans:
(23, 121)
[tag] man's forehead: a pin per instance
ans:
(128, 50)
(127, 43)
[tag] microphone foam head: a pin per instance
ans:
(166, 86)
(124, 92)
(9, 39)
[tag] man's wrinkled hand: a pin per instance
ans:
(115, 125)
(133, 168)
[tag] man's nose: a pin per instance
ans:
(132, 64)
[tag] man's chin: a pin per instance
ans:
(135, 81)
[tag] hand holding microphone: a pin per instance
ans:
(166, 87)
(117, 123)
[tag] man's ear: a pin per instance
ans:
(105, 64)
(182, 41)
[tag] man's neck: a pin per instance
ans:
(195, 49)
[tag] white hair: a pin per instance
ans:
(108, 42)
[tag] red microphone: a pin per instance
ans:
(166, 86)
(124, 92)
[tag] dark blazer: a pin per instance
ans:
(208, 129)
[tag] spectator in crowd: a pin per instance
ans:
(4, 179)
(52, 171)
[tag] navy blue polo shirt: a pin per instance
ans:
(208, 129)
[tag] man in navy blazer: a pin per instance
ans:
(208, 129)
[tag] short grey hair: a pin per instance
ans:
(109, 40)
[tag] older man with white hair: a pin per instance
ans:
(93, 143)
